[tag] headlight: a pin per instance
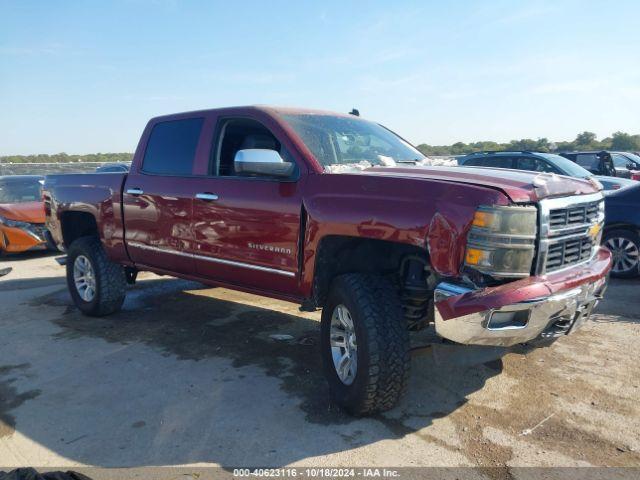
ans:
(501, 241)
(13, 223)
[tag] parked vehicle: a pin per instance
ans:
(612, 184)
(22, 219)
(622, 231)
(332, 211)
(598, 163)
(626, 164)
(113, 168)
(536, 162)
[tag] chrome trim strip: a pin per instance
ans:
(212, 259)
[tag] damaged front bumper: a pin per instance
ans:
(521, 311)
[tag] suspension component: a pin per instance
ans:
(416, 291)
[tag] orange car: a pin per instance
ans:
(21, 214)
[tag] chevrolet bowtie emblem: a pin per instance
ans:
(594, 230)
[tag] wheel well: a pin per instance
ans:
(622, 226)
(338, 255)
(77, 224)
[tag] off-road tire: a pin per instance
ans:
(632, 237)
(383, 344)
(110, 278)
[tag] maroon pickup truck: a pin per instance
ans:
(335, 212)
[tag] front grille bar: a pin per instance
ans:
(566, 237)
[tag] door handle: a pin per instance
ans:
(134, 191)
(206, 196)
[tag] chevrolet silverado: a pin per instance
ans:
(335, 212)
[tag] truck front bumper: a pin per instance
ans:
(518, 312)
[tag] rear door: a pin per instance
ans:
(247, 228)
(158, 196)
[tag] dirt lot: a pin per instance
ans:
(190, 375)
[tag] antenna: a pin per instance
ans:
(355, 112)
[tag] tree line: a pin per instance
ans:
(619, 141)
(64, 158)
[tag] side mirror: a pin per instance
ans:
(630, 166)
(260, 161)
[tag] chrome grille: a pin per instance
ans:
(568, 252)
(567, 234)
(567, 217)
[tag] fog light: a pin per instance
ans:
(508, 320)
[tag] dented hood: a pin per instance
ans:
(32, 212)
(520, 186)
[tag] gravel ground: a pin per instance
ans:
(188, 375)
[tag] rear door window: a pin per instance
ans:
(535, 165)
(495, 162)
(171, 148)
(590, 161)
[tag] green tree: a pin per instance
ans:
(585, 140)
(625, 142)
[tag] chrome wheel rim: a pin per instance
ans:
(625, 254)
(344, 348)
(84, 278)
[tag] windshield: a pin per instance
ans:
(345, 141)
(633, 157)
(568, 167)
(20, 191)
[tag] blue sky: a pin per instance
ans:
(85, 76)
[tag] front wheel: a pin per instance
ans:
(365, 344)
(625, 248)
(97, 285)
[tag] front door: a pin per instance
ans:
(247, 228)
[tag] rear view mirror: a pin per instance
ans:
(260, 161)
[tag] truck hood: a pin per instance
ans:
(520, 186)
(32, 212)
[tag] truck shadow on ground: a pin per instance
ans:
(185, 323)
(618, 305)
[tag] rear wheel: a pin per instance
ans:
(625, 248)
(97, 285)
(365, 344)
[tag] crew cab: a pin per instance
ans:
(335, 212)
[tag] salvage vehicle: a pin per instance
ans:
(538, 162)
(336, 212)
(622, 231)
(627, 164)
(598, 163)
(22, 216)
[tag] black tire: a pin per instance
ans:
(630, 267)
(383, 358)
(110, 280)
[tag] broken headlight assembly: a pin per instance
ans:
(13, 223)
(502, 241)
